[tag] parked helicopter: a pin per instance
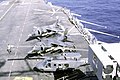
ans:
(67, 61)
(51, 48)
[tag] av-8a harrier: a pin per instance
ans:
(38, 34)
(56, 29)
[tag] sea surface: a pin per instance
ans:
(103, 12)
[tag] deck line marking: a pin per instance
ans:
(7, 10)
(20, 38)
(28, 3)
(70, 29)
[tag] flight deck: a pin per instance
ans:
(17, 19)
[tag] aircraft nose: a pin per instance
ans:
(37, 70)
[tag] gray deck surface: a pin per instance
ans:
(16, 22)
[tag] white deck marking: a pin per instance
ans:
(27, 3)
(76, 33)
(23, 78)
(27, 13)
(7, 10)
(71, 29)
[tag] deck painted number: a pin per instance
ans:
(23, 78)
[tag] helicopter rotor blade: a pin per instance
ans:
(11, 59)
(103, 33)
(66, 48)
(76, 49)
(92, 23)
(74, 14)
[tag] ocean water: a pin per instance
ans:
(103, 12)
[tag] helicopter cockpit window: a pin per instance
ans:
(48, 60)
(118, 68)
(59, 64)
(66, 65)
(49, 65)
(54, 64)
